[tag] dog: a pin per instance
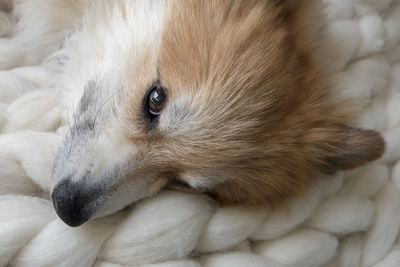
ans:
(221, 97)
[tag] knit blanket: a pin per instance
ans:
(348, 220)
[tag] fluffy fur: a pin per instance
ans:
(249, 118)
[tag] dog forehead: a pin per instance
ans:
(117, 57)
(209, 44)
(218, 57)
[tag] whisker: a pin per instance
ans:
(73, 114)
(69, 125)
(105, 102)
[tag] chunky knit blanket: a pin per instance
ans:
(349, 220)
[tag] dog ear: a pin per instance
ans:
(352, 148)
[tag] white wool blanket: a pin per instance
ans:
(349, 220)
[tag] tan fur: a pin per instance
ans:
(247, 107)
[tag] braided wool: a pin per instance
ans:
(351, 219)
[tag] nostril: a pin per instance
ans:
(70, 203)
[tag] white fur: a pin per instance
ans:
(102, 57)
(103, 46)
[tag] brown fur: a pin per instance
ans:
(247, 106)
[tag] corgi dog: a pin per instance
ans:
(221, 97)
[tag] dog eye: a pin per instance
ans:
(156, 100)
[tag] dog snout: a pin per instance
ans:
(73, 202)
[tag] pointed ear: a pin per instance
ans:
(357, 148)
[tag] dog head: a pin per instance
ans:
(212, 96)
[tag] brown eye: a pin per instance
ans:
(156, 100)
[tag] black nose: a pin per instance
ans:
(72, 203)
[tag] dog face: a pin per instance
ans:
(216, 96)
